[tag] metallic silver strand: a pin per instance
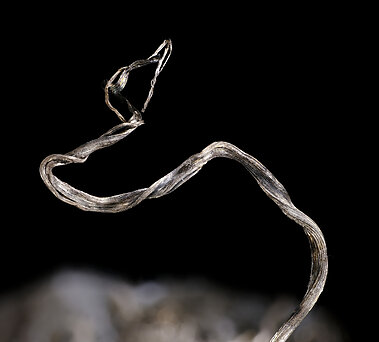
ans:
(117, 203)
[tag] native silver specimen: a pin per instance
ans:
(269, 184)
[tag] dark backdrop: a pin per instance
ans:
(276, 84)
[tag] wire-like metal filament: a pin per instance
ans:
(269, 184)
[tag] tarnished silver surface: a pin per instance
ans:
(269, 184)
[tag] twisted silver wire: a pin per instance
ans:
(117, 203)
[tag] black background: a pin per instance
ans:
(279, 83)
